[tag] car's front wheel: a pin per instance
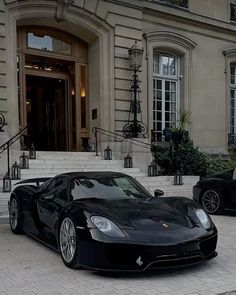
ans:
(68, 242)
(212, 201)
(15, 215)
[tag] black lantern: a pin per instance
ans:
(32, 152)
(15, 171)
(24, 161)
(6, 183)
(178, 178)
(135, 56)
(153, 169)
(128, 162)
(108, 153)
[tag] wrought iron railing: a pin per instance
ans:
(116, 137)
(10, 142)
(180, 3)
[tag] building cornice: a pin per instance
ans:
(188, 17)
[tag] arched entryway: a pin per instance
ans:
(53, 88)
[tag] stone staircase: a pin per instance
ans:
(49, 164)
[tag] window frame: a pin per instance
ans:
(165, 78)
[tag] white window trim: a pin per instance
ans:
(169, 78)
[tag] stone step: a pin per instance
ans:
(26, 172)
(74, 166)
(67, 154)
(168, 179)
(60, 161)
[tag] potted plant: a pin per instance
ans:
(179, 133)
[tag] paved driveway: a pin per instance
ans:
(27, 267)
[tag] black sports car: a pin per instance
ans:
(108, 221)
(217, 193)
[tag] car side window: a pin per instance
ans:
(58, 188)
(61, 189)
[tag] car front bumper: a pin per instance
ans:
(130, 257)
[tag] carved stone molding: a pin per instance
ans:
(62, 9)
(173, 38)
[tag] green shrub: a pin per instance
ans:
(193, 161)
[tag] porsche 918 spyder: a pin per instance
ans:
(108, 221)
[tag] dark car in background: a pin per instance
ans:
(108, 221)
(217, 193)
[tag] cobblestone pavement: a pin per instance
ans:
(28, 267)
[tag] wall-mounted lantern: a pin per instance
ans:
(6, 183)
(128, 161)
(24, 161)
(15, 171)
(108, 153)
(32, 152)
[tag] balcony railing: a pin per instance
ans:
(180, 3)
(233, 12)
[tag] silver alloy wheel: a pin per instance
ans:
(13, 213)
(211, 201)
(67, 240)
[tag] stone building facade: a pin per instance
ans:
(64, 68)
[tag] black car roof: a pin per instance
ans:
(93, 174)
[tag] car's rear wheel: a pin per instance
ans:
(15, 219)
(68, 242)
(212, 201)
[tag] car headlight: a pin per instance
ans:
(107, 226)
(203, 218)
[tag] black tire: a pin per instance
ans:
(69, 253)
(15, 215)
(212, 201)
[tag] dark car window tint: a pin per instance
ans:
(58, 188)
(226, 174)
(107, 188)
(51, 187)
(46, 184)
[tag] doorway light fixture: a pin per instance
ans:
(82, 92)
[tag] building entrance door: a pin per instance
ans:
(52, 89)
(47, 107)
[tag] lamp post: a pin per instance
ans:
(134, 128)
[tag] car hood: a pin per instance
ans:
(150, 214)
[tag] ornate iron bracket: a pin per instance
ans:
(2, 122)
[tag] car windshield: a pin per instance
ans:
(107, 188)
(228, 174)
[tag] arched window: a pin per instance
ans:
(165, 91)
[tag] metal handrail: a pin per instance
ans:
(10, 142)
(118, 137)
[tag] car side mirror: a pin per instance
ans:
(158, 193)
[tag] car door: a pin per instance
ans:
(232, 191)
(51, 201)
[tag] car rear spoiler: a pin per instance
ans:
(34, 180)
